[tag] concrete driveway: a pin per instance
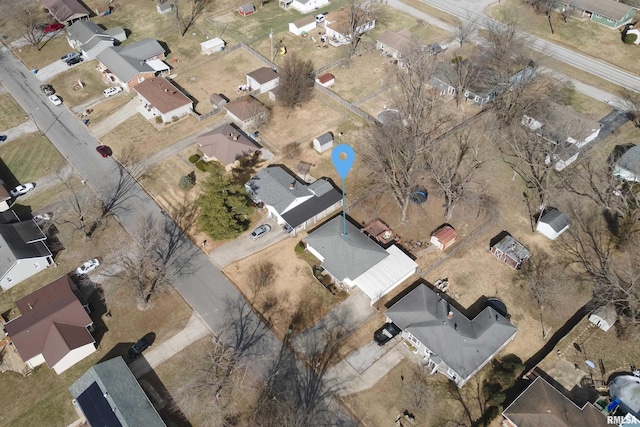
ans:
(243, 246)
(100, 129)
(50, 71)
(14, 132)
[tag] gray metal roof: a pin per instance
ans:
(84, 30)
(126, 68)
(273, 186)
(122, 392)
(345, 258)
(142, 49)
(631, 160)
(325, 138)
(21, 240)
(463, 344)
(556, 220)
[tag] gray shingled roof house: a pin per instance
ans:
(291, 201)
(553, 223)
(542, 405)
(132, 64)
(451, 343)
(91, 39)
(23, 252)
(358, 260)
(109, 395)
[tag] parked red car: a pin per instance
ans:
(54, 26)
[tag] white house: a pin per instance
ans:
(355, 259)
(450, 342)
(604, 317)
(213, 45)
(323, 142)
(263, 80)
(303, 6)
(159, 98)
(628, 166)
(337, 28)
(553, 223)
(290, 202)
(23, 251)
(303, 25)
(54, 326)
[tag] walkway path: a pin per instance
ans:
(102, 128)
(192, 332)
(26, 127)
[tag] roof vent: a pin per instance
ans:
(30, 306)
(455, 326)
(292, 185)
(166, 90)
(497, 318)
(444, 322)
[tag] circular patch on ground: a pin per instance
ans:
(388, 116)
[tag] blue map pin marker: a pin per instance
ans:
(343, 157)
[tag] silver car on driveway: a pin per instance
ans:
(260, 231)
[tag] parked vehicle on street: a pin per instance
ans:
(22, 189)
(55, 100)
(386, 333)
(47, 89)
(3, 138)
(88, 266)
(104, 150)
(112, 91)
(260, 231)
(53, 27)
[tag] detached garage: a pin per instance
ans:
(303, 25)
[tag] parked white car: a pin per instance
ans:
(55, 100)
(87, 267)
(112, 91)
(22, 189)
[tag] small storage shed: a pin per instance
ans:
(508, 250)
(444, 237)
(164, 7)
(246, 9)
(323, 142)
(553, 223)
(604, 317)
(217, 101)
(303, 25)
(212, 46)
(326, 80)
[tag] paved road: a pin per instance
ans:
(474, 10)
(204, 287)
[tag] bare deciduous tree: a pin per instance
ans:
(186, 12)
(453, 167)
(395, 150)
(261, 276)
(631, 104)
(357, 19)
(28, 16)
(464, 30)
(296, 81)
(539, 277)
(463, 74)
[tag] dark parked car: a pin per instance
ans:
(3, 138)
(54, 26)
(74, 61)
(386, 333)
(142, 344)
(47, 89)
(70, 55)
(104, 150)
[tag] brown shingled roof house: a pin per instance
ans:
(53, 327)
(160, 98)
(225, 144)
(67, 11)
(246, 111)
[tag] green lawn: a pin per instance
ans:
(30, 157)
(11, 114)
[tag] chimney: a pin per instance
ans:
(235, 138)
(292, 185)
(450, 315)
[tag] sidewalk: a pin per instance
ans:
(192, 332)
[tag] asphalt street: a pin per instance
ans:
(474, 11)
(202, 284)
